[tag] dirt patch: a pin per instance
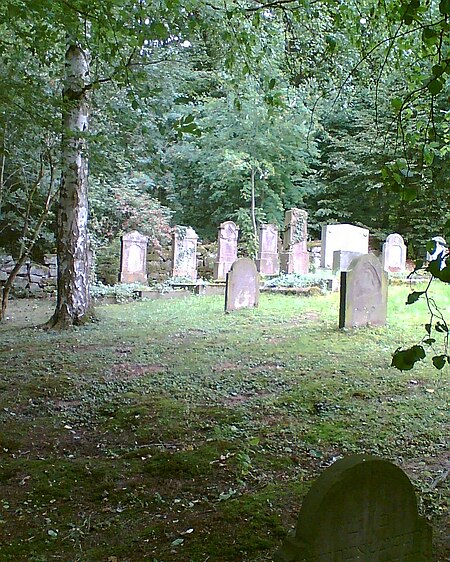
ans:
(225, 366)
(132, 371)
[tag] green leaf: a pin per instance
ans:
(444, 273)
(435, 86)
(439, 361)
(444, 7)
(404, 360)
(435, 268)
(158, 31)
(414, 296)
(437, 70)
(429, 33)
(428, 328)
(429, 341)
(396, 103)
(409, 193)
(431, 246)
(272, 84)
(177, 542)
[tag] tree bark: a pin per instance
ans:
(253, 212)
(73, 306)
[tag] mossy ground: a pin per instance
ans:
(170, 431)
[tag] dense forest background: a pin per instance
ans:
(339, 108)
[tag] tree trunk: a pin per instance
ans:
(73, 305)
(253, 213)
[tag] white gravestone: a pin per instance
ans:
(227, 249)
(133, 258)
(268, 261)
(342, 237)
(184, 252)
(342, 260)
(394, 253)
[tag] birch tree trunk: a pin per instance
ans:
(73, 305)
(253, 214)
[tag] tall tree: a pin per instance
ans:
(73, 300)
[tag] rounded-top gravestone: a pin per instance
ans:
(361, 509)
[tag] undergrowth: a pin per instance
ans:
(171, 431)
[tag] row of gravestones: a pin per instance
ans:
(339, 245)
(363, 290)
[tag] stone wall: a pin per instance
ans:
(32, 279)
(40, 280)
(159, 265)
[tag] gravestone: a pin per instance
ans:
(441, 245)
(361, 509)
(184, 252)
(394, 253)
(342, 260)
(342, 237)
(242, 288)
(363, 293)
(268, 261)
(294, 257)
(133, 258)
(227, 249)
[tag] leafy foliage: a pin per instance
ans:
(437, 330)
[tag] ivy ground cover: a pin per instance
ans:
(169, 431)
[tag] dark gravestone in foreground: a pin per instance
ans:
(361, 509)
(242, 288)
(363, 299)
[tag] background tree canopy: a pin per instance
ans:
(200, 112)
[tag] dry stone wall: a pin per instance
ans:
(32, 278)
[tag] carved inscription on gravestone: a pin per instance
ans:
(394, 253)
(184, 252)
(268, 261)
(363, 293)
(361, 509)
(133, 258)
(295, 258)
(242, 288)
(227, 249)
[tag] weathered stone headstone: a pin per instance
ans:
(133, 258)
(342, 237)
(184, 252)
(441, 245)
(227, 249)
(294, 257)
(268, 261)
(342, 260)
(363, 293)
(242, 288)
(315, 256)
(361, 509)
(394, 253)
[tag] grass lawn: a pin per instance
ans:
(169, 431)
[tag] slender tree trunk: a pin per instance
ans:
(73, 305)
(253, 213)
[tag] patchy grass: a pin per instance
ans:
(170, 431)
